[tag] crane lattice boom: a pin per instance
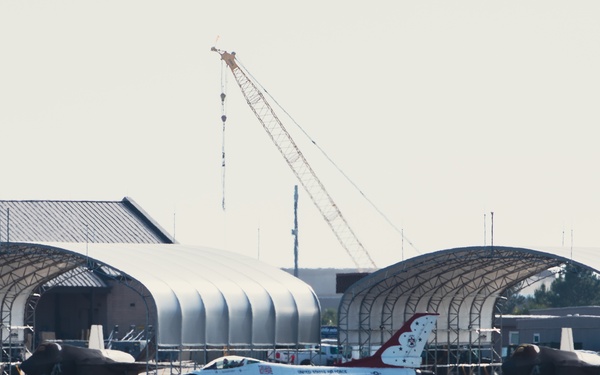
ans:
(299, 165)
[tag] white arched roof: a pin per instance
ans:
(203, 296)
(463, 285)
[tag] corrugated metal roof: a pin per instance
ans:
(78, 221)
(79, 277)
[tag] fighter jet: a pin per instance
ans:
(533, 359)
(55, 358)
(400, 355)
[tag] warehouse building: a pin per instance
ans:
(69, 264)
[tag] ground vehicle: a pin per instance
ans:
(400, 355)
(329, 332)
(321, 355)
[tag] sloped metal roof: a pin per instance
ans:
(202, 296)
(78, 221)
(79, 277)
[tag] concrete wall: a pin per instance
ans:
(126, 308)
(322, 281)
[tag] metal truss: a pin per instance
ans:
(24, 267)
(24, 271)
(463, 285)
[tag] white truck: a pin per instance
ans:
(320, 355)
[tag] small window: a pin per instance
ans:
(513, 338)
(536, 338)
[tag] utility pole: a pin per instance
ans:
(492, 232)
(295, 230)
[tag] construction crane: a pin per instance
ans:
(298, 163)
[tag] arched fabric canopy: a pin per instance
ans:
(463, 285)
(201, 296)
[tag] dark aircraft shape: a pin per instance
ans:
(61, 359)
(530, 359)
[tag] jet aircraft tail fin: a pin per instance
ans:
(404, 348)
(96, 340)
(566, 339)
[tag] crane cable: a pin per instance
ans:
(401, 232)
(223, 120)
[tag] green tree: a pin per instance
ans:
(512, 303)
(517, 304)
(575, 286)
(541, 297)
(329, 317)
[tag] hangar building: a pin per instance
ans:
(464, 285)
(67, 265)
(197, 299)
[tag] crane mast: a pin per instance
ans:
(298, 163)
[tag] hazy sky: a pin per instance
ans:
(440, 111)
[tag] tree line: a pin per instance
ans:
(572, 286)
